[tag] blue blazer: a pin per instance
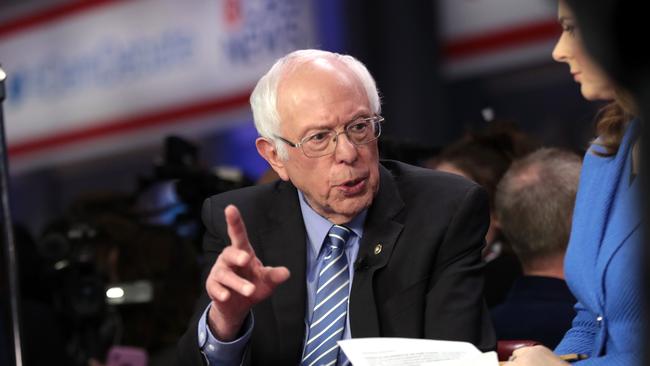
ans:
(602, 264)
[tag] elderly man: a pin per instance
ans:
(341, 246)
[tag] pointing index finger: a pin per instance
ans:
(237, 229)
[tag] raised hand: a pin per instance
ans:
(238, 280)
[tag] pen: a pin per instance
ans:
(572, 357)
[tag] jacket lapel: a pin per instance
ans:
(380, 228)
(595, 224)
(283, 244)
(621, 225)
(624, 218)
(593, 203)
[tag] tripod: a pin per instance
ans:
(7, 231)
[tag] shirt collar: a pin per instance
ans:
(317, 226)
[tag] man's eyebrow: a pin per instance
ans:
(313, 129)
(357, 116)
(564, 19)
(324, 126)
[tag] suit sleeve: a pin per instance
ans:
(460, 313)
(214, 241)
(580, 338)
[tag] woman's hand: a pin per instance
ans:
(534, 356)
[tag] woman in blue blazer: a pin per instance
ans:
(602, 265)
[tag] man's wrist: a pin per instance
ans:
(221, 329)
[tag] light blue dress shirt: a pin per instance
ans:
(317, 227)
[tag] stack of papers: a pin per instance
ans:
(414, 352)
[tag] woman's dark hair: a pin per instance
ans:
(611, 122)
(484, 156)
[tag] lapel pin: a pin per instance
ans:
(378, 248)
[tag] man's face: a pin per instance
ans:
(318, 96)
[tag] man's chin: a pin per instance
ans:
(351, 207)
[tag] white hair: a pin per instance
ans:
(265, 95)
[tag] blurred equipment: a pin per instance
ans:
(115, 281)
(137, 292)
(174, 194)
(71, 250)
(8, 235)
(123, 269)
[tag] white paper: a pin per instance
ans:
(483, 359)
(414, 352)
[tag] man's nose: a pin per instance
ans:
(344, 150)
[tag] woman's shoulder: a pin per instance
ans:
(597, 150)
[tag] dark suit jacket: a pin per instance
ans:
(426, 282)
(500, 274)
(537, 308)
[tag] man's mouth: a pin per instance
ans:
(353, 186)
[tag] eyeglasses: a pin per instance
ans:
(359, 132)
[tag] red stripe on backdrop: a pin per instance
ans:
(51, 14)
(459, 48)
(456, 49)
(114, 127)
(499, 39)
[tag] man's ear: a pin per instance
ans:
(267, 150)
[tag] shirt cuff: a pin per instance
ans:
(219, 353)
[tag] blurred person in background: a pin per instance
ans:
(402, 272)
(534, 204)
(484, 157)
(602, 265)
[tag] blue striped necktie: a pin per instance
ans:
(328, 319)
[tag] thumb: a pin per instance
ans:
(275, 275)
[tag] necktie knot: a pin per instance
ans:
(337, 236)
